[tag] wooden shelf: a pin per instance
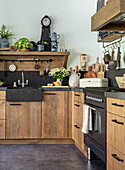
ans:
(112, 37)
(110, 18)
(10, 53)
(27, 60)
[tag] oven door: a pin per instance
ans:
(95, 139)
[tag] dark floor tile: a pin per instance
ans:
(45, 157)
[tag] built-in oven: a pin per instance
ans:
(95, 139)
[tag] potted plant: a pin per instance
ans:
(59, 74)
(4, 36)
(23, 44)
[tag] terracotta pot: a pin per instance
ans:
(24, 51)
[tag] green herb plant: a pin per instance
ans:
(4, 33)
(23, 43)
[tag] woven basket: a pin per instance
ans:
(120, 82)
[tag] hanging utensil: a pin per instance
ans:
(118, 58)
(112, 63)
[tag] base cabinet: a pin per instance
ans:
(23, 120)
(2, 129)
(56, 119)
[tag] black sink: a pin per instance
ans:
(24, 94)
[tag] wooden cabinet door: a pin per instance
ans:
(34, 119)
(23, 120)
(2, 109)
(16, 120)
(55, 118)
(2, 129)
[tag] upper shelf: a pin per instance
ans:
(110, 18)
(10, 53)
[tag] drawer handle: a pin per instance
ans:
(77, 126)
(115, 121)
(115, 104)
(76, 94)
(76, 105)
(15, 104)
(117, 158)
(50, 93)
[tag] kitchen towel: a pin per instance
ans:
(87, 119)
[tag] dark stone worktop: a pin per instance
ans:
(116, 95)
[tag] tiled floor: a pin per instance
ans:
(45, 157)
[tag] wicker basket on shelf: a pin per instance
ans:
(120, 82)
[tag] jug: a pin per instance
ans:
(74, 79)
(54, 36)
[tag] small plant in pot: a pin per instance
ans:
(23, 44)
(4, 37)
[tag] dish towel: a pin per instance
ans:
(87, 119)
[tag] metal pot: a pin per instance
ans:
(54, 36)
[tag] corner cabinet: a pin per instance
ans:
(23, 120)
(56, 116)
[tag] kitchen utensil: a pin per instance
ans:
(76, 68)
(90, 74)
(12, 67)
(106, 58)
(95, 67)
(118, 58)
(71, 70)
(37, 66)
(112, 64)
(101, 73)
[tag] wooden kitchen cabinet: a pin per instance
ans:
(115, 134)
(56, 117)
(77, 121)
(110, 17)
(23, 120)
(2, 114)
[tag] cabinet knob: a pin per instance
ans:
(115, 121)
(15, 104)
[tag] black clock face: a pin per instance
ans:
(46, 21)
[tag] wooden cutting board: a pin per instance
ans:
(90, 74)
(100, 74)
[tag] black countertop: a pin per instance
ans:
(116, 95)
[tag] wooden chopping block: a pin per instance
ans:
(101, 73)
(96, 66)
(90, 74)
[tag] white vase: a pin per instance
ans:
(74, 79)
(60, 81)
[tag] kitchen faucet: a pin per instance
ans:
(23, 83)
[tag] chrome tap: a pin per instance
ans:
(23, 83)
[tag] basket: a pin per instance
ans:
(120, 82)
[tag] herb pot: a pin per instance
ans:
(27, 50)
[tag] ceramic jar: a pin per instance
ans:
(74, 79)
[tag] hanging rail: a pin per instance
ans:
(113, 44)
(28, 60)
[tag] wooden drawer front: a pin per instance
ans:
(2, 109)
(78, 112)
(2, 129)
(116, 106)
(79, 97)
(116, 132)
(115, 160)
(78, 135)
(2, 95)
